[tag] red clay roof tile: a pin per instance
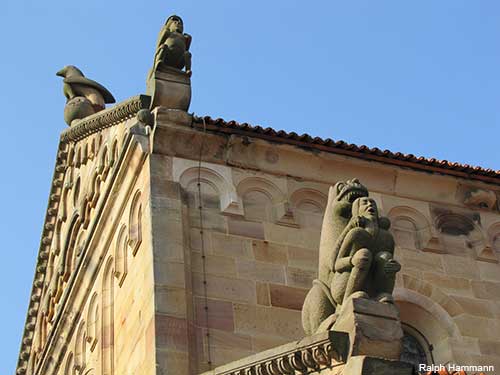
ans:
(385, 156)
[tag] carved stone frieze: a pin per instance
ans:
(312, 354)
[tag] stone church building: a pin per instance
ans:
(175, 244)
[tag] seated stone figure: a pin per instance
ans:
(365, 264)
(319, 304)
(172, 47)
(355, 256)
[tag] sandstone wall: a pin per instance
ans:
(97, 305)
(230, 279)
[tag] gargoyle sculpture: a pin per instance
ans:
(355, 256)
(172, 47)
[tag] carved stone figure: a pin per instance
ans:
(355, 256)
(168, 84)
(84, 96)
(172, 47)
(364, 266)
(319, 304)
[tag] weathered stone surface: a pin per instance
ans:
(486, 290)
(263, 297)
(170, 274)
(225, 288)
(363, 365)
(260, 320)
(356, 256)
(373, 327)
(291, 236)
(287, 297)
(195, 238)
(177, 361)
(214, 313)
(450, 284)
(172, 46)
(171, 332)
(213, 264)
(169, 88)
(269, 252)
(245, 228)
(422, 261)
(489, 347)
(452, 300)
(231, 246)
(458, 266)
(489, 271)
(265, 342)
(84, 96)
(476, 307)
(487, 329)
(167, 84)
(267, 272)
(299, 277)
(171, 301)
(303, 258)
(328, 348)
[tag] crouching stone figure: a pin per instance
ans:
(357, 252)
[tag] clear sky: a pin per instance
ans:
(419, 77)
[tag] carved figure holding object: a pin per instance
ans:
(172, 47)
(365, 264)
(319, 304)
(355, 256)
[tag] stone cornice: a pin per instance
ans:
(83, 128)
(387, 157)
(311, 354)
(104, 119)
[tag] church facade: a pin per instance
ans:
(175, 244)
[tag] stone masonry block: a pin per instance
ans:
(214, 264)
(245, 228)
(226, 288)
(374, 328)
(269, 252)
(262, 290)
(260, 271)
(461, 267)
(300, 278)
(220, 314)
(287, 297)
(364, 365)
(259, 320)
(171, 332)
(231, 246)
(486, 290)
(303, 258)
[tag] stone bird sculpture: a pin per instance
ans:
(84, 96)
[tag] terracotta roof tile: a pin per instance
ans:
(384, 156)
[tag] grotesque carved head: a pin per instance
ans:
(350, 190)
(366, 207)
(174, 24)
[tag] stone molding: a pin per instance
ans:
(387, 157)
(105, 119)
(311, 354)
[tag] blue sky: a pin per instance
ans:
(420, 77)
